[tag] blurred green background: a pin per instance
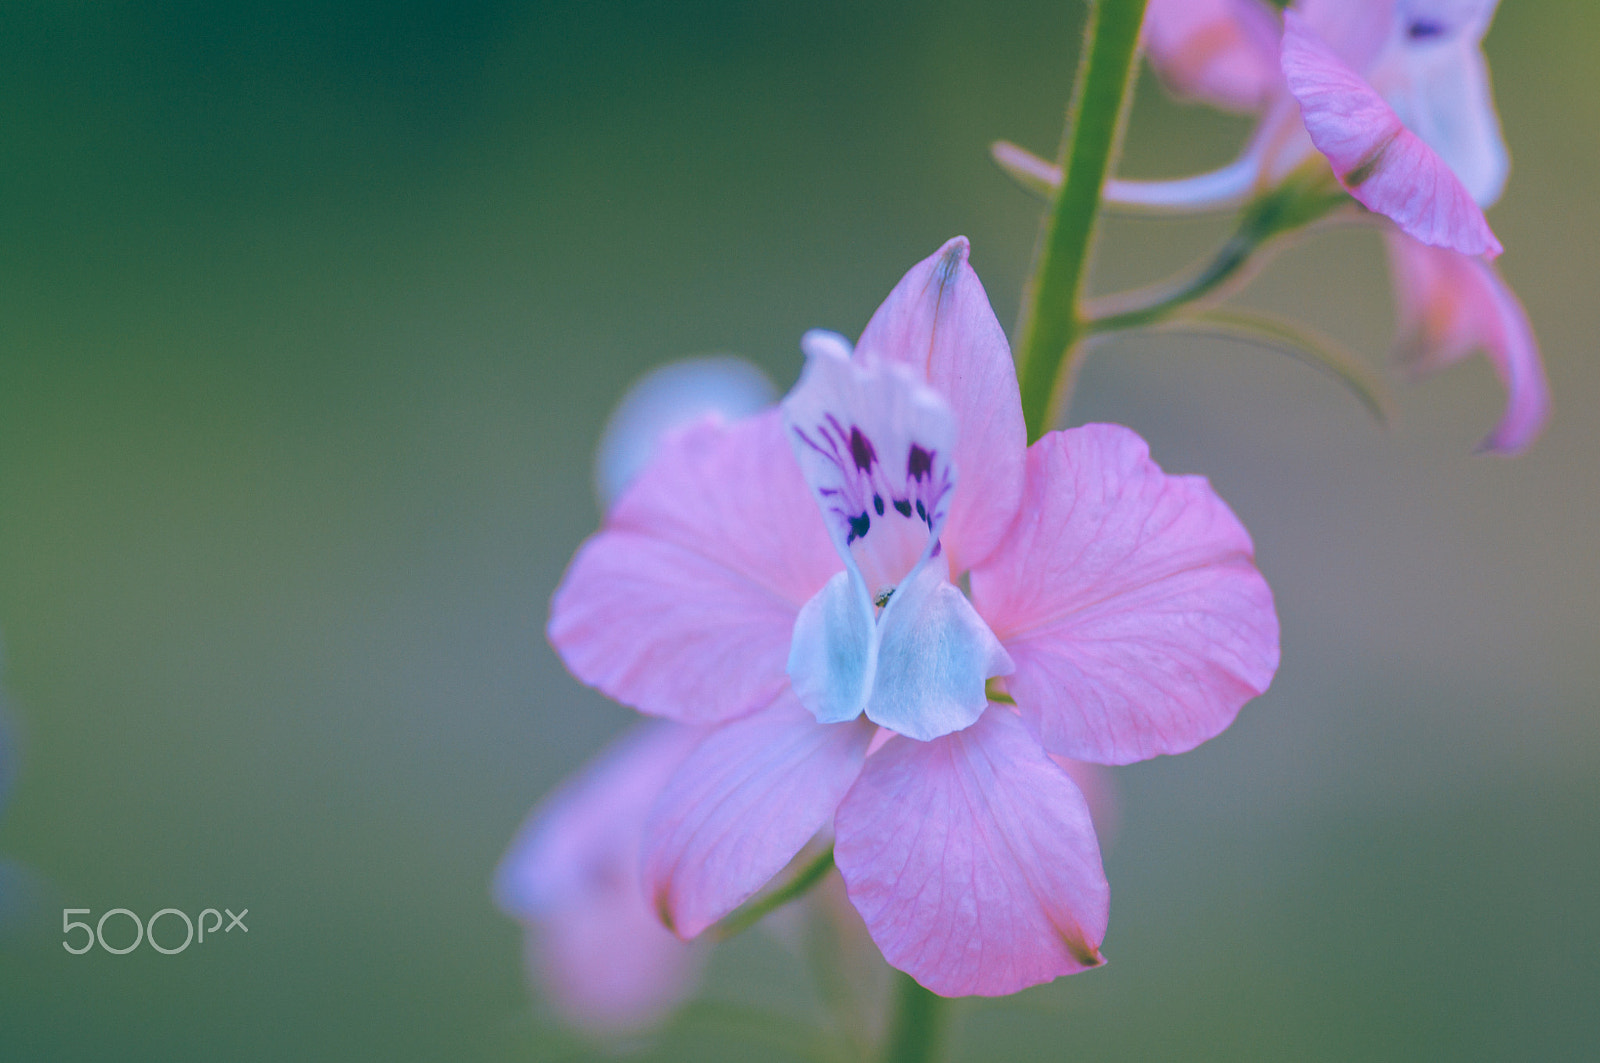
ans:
(310, 315)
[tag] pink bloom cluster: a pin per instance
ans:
(1395, 95)
(876, 614)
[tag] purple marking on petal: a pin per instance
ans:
(861, 449)
(1425, 29)
(919, 463)
(852, 424)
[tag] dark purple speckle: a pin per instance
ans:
(861, 449)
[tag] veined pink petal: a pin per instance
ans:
(1098, 784)
(973, 861)
(938, 320)
(1129, 601)
(1222, 52)
(740, 808)
(683, 605)
(571, 876)
(1383, 164)
(1450, 305)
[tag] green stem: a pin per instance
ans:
(1051, 324)
(1292, 206)
(753, 911)
(916, 1030)
(1149, 306)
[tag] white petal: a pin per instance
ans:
(1444, 99)
(833, 654)
(934, 655)
(875, 445)
(819, 342)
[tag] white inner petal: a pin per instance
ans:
(1442, 95)
(935, 655)
(874, 443)
(890, 636)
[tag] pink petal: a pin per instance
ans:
(1450, 305)
(938, 320)
(1098, 784)
(1129, 601)
(595, 947)
(1383, 164)
(683, 605)
(1222, 52)
(741, 806)
(973, 861)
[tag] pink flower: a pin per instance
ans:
(571, 876)
(1222, 51)
(1394, 93)
(1413, 136)
(793, 582)
(1451, 305)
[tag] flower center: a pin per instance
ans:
(890, 636)
(873, 443)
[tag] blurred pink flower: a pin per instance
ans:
(571, 876)
(1394, 93)
(1224, 52)
(1451, 305)
(1413, 136)
(1121, 604)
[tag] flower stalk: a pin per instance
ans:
(917, 1027)
(753, 911)
(1287, 208)
(1052, 325)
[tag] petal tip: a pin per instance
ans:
(1084, 952)
(663, 910)
(954, 252)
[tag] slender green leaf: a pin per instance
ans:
(1298, 342)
